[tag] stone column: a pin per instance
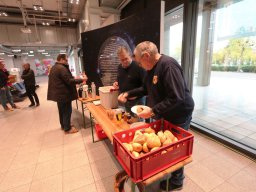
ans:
(206, 44)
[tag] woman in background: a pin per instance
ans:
(28, 76)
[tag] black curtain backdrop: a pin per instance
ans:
(144, 26)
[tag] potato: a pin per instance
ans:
(136, 154)
(139, 109)
(154, 149)
(128, 146)
(149, 130)
(147, 135)
(140, 139)
(169, 134)
(153, 141)
(167, 142)
(145, 148)
(161, 136)
(175, 139)
(138, 132)
(137, 147)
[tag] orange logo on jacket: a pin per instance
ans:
(155, 79)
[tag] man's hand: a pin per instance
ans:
(115, 85)
(146, 113)
(123, 97)
(84, 82)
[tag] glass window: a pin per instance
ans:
(173, 27)
(225, 70)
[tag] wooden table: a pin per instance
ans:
(84, 102)
(109, 126)
(158, 176)
(112, 126)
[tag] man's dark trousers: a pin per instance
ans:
(65, 111)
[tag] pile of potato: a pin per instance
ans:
(149, 141)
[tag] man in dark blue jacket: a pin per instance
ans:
(168, 95)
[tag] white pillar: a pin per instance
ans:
(76, 62)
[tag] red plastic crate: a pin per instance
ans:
(151, 163)
(100, 133)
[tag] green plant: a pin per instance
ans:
(231, 68)
(248, 68)
(217, 68)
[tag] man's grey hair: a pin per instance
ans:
(146, 46)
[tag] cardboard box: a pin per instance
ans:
(108, 97)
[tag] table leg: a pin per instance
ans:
(91, 127)
(133, 187)
(76, 105)
(167, 184)
(83, 113)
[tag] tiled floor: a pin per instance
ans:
(36, 156)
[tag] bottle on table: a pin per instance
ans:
(93, 90)
(85, 91)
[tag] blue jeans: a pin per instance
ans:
(65, 111)
(177, 176)
(6, 96)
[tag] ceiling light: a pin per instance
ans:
(16, 50)
(31, 51)
(62, 51)
(31, 55)
(45, 53)
(72, 1)
(2, 53)
(40, 50)
(25, 29)
(24, 53)
(46, 23)
(10, 55)
(4, 14)
(38, 8)
(48, 55)
(71, 19)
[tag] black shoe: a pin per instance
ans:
(31, 105)
(15, 107)
(171, 187)
(38, 104)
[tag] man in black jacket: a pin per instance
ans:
(62, 89)
(168, 95)
(28, 76)
(129, 76)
